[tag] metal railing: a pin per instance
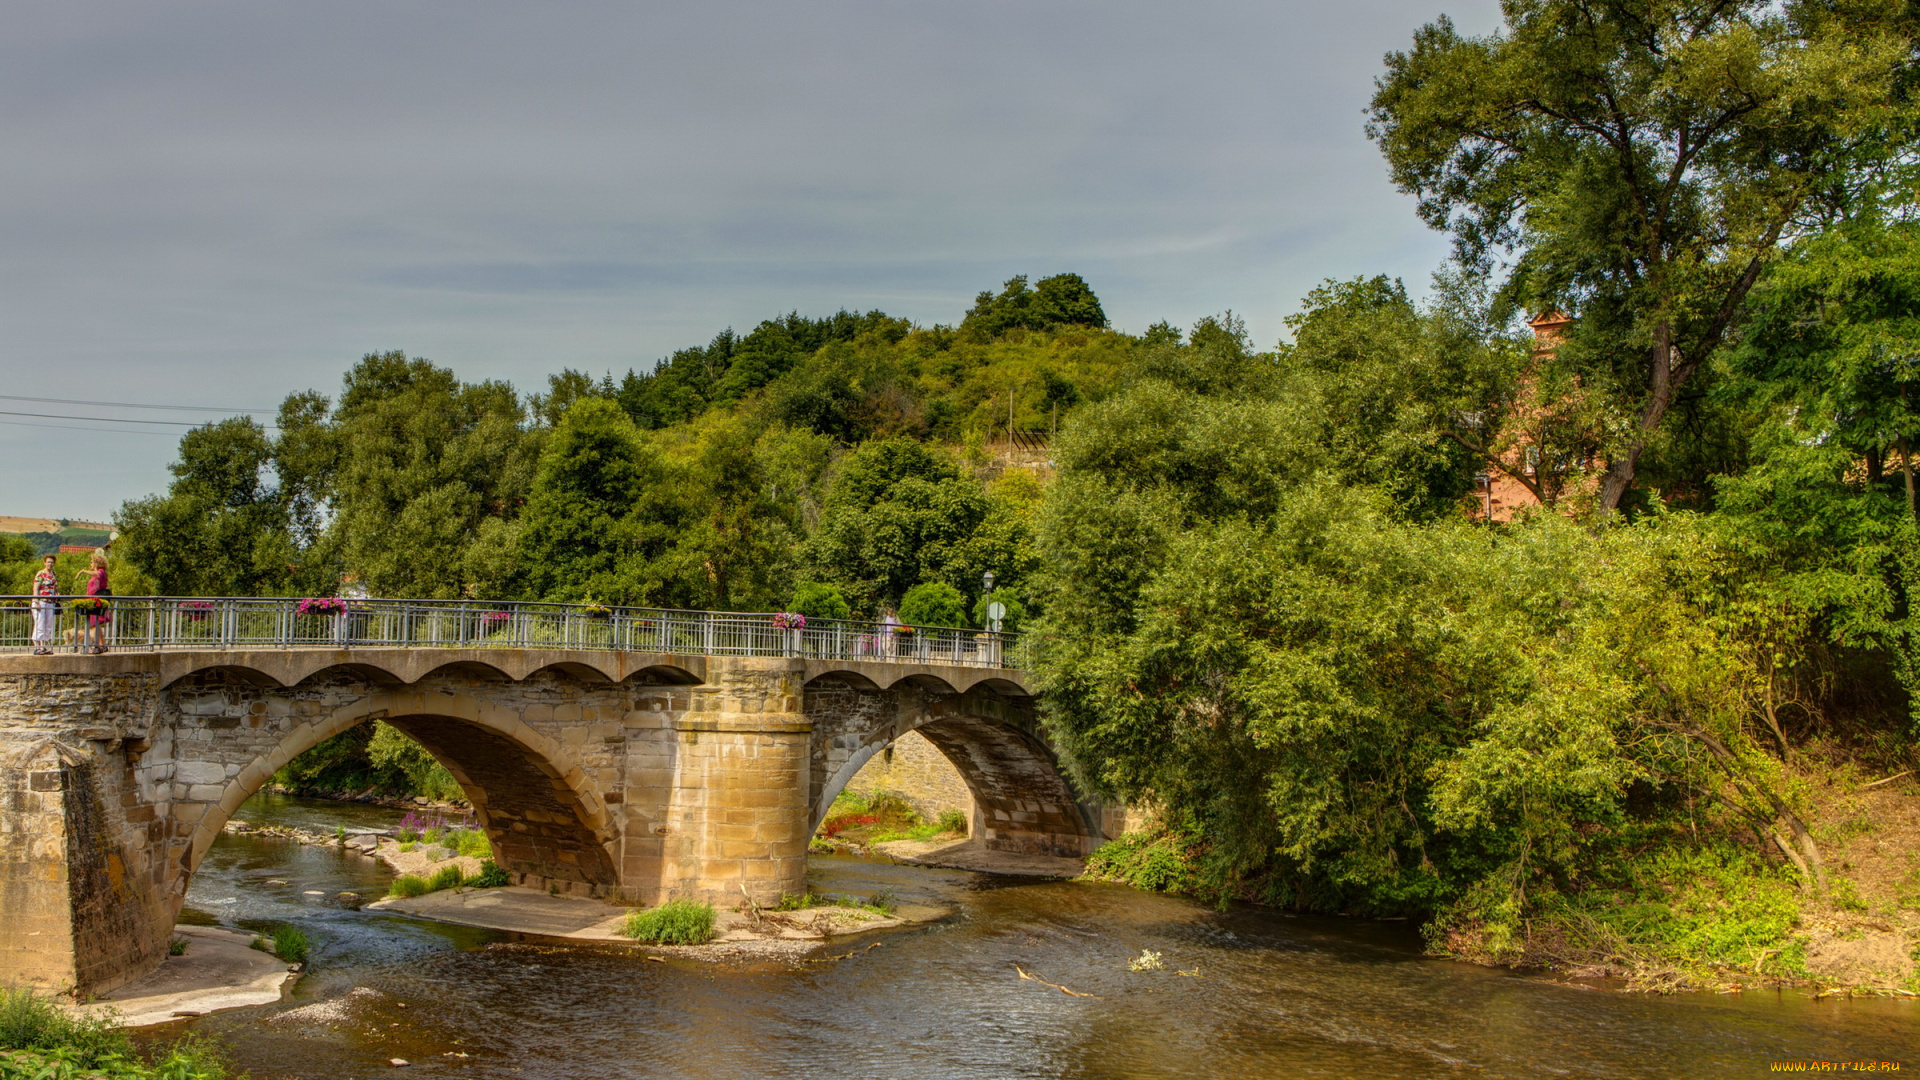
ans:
(142, 623)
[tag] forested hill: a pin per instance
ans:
(847, 451)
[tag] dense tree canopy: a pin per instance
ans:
(1643, 159)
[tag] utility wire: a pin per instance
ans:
(99, 419)
(71, 427)
(112, 419)
(129, 404)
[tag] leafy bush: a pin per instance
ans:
(407, 886)
(1157, 863)
(819, 601)
(952, 821)
(471, 843)
(933, 603)
(40, 1041)
(290, 944)
(1667, 909)
(447, 877)
(490, 876)
(31, 1023)
(676, 922)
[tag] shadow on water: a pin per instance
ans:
(1270, 995)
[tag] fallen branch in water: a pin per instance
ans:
(1043, 982)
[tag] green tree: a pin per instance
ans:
(933, 603)
(15, 549)
(817, 600)
(1644, 159)
(222, 529)
(728, 368)
(600, 515)
(1835, 336)
(421, 462)
(900, 513)
(747, 489)
(392, 751)
(1414, 401)
(1060, 300)
(562, 391)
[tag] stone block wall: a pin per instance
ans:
(36, 915)
(915, 770)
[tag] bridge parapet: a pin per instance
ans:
(174, 622)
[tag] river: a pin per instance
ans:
(1271, 995)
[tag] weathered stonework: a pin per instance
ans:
(914, 769)
(633, 778)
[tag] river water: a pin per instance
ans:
(1270, 995)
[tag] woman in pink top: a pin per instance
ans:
(46, 610)
(99, 614)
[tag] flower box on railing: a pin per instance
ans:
(196, 610)
(494, 620)
(789, 620)
(321, 605)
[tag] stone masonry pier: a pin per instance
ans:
(630, 777)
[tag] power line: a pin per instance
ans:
(70, 427)
(130, 404)
(104, 419)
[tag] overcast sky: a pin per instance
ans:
(214, 204)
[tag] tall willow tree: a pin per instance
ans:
(1641, 161)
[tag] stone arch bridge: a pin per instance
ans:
(628, 776)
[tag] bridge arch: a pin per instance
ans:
(546, 822)
(1023, 800)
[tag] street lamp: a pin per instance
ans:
(995, 611)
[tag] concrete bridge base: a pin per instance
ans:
(627, 777)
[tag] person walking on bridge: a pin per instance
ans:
(46, 610)
(99, 613)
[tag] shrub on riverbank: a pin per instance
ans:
(290, 943)
(40, 1041)
(1160, 862)
(408, 886)
(1677, 913)
(676, 922)
(471, 843)
(490, 876)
